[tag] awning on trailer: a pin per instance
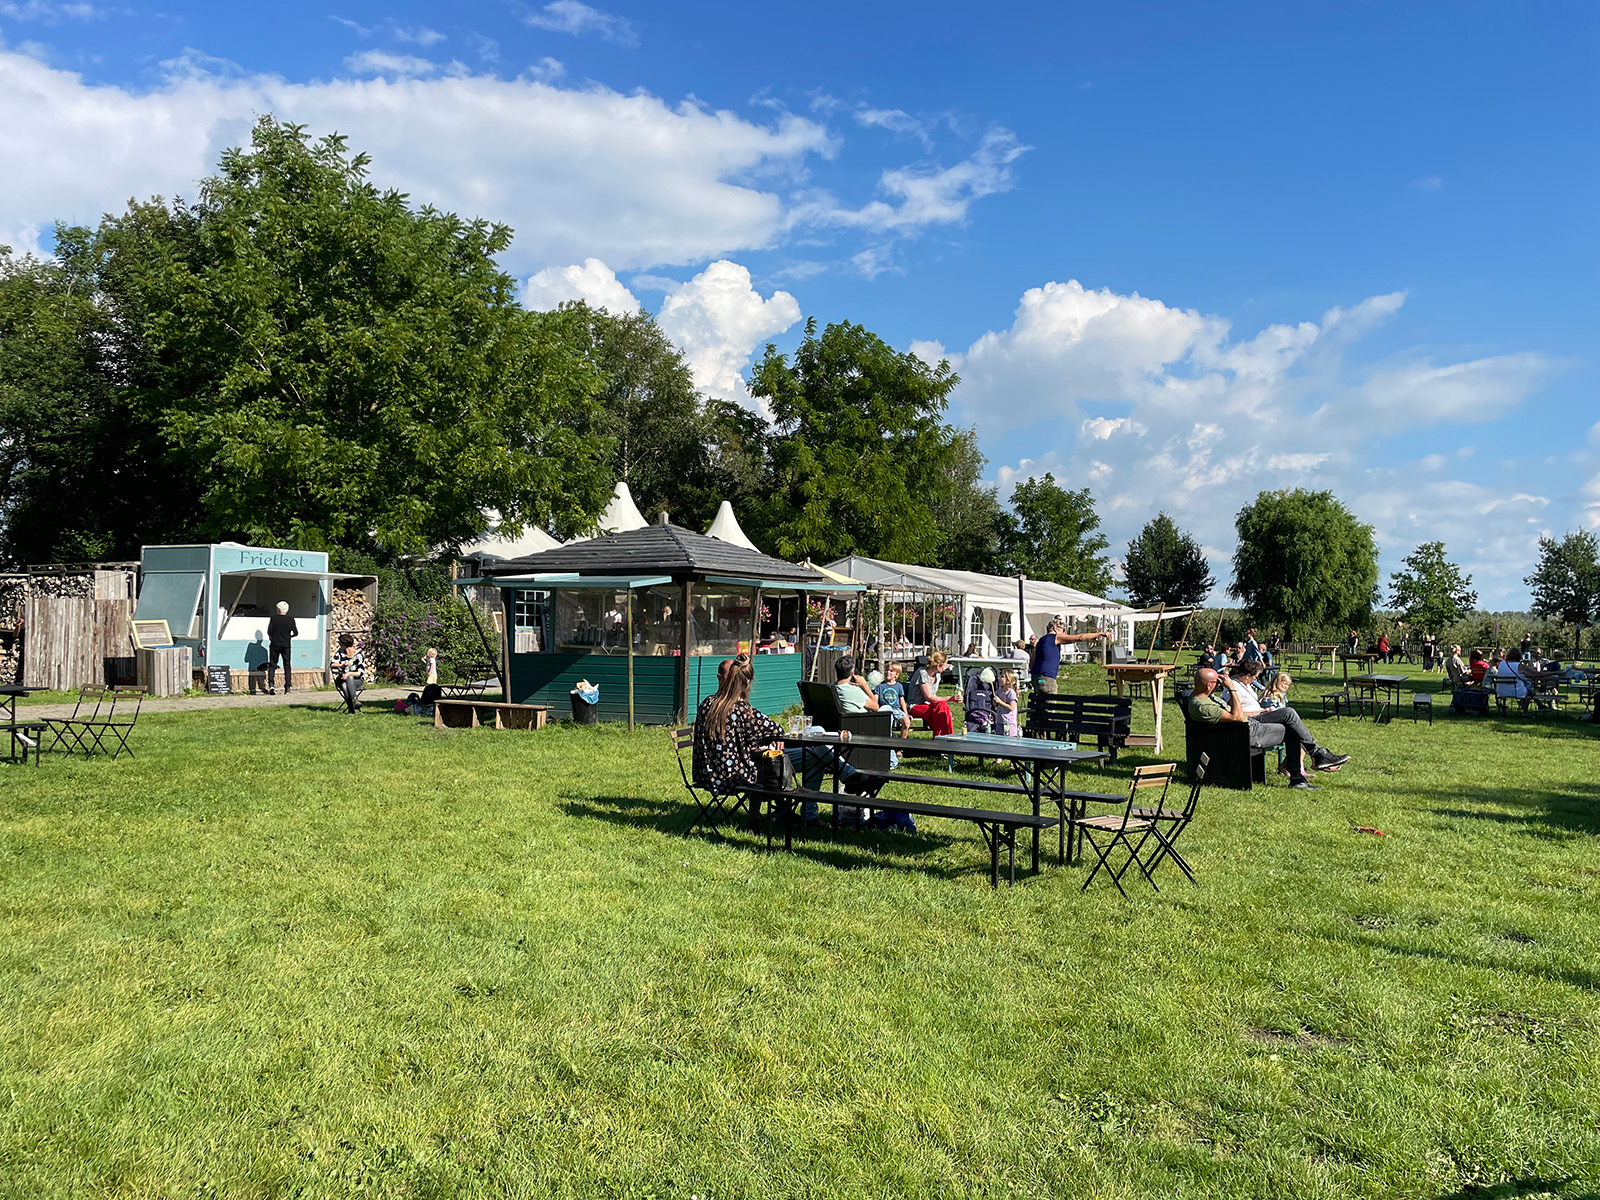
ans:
(280, 573)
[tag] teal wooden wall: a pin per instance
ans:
(548, 678)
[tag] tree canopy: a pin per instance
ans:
(1051, 535)
(1303, 561)
(1432, 591)
(860, 453)
(1566, 581)
(300, 358)
(1166, 566)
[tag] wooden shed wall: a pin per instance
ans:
(76, 641)
(548, 678)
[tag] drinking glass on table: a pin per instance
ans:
(794, 726)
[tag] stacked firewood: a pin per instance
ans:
(352, 611)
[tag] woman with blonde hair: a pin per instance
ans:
(925, 701)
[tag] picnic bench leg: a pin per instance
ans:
(992, 836)
(1157, 687)
(1035, 798)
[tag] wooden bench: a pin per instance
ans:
(998, 828)
(463, 714)
(25, 732)
(1106, 719)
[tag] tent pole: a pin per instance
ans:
(630, 657)
(1022, 613)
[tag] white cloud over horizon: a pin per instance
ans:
(1159, 408)
(716, 319)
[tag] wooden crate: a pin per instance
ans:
(165, 670)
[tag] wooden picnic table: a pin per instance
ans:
(1041, 764)
(1155, 674)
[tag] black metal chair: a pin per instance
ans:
(712, 805)
(1119, 829)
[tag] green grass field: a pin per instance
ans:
(291, 953)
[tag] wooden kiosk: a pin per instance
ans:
(648, 615)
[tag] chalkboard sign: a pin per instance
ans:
(219, 680)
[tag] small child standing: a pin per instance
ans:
(431, 661)
(891, 694)
(1005, 703)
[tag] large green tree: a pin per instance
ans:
(1304, 562)
(972, 525)
(302, 358)
(1566, 581)
(859, 449)
(1052, 535)
(1166, 566)
(1431, 592)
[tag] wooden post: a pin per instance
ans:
(630, 658)
(688, 622)
(883, 648)
(1151, 653)
(1022, 613)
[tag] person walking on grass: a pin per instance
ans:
(349, 667)
(281, 631)
(1267, 729)
(1046, 663)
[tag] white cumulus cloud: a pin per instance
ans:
(590, 281)
(718, 319)
(579, 172)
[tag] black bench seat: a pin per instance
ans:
(998, 827)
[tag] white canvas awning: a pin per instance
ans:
(725, 527)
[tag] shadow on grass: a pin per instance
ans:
(1573, 808)
(1578, 977)
(847, 850)
(1514, 1188)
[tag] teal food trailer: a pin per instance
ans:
(216, 598)
(648, 615)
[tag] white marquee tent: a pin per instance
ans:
(989, 602)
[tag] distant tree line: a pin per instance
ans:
(299, 358)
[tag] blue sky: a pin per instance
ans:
(1178, 253)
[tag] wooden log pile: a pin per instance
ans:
(351, 612)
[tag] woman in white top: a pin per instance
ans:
(1240, 680)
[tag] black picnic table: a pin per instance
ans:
(1041, 764)
(9, 695)
(1373, 684)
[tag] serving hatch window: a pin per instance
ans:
(723, 620)
(591, 620)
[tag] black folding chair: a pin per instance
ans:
(1118, 829)
(1169, 823)
(106, 728)
(713, 805)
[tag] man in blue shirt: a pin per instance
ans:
(1046, 662)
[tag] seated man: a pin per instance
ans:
(1267, 729)
(856, 696)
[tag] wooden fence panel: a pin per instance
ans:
(70, 642)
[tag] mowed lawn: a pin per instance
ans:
(290, 953)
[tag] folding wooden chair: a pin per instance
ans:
(1169, 823)
(104, 732)
(1119, 828)
(72, 733)
(712, 805)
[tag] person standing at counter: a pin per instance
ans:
(281, 631)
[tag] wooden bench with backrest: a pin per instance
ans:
(821, 704)
(1106, 719)
(1234, 762)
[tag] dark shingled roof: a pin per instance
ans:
(658, 550)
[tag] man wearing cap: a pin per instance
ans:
(1046, 662)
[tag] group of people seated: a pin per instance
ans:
(1224, 657)
(1238, 693)
(1511, 674)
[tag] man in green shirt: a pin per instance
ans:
(1215, 704)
